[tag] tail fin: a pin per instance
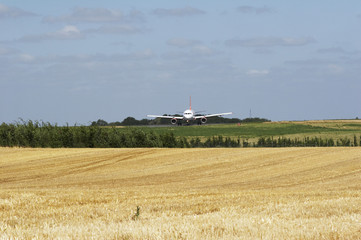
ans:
(190, 102)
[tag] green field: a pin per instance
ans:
(268, 134)
(328, 128)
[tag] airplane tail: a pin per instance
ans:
(190, 102)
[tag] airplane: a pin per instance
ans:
(190, 115)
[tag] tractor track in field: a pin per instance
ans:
(260, 168)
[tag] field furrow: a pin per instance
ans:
(248, 193)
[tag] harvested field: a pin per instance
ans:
(255, 193)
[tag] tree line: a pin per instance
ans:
(46, 135)
(131, 121)
(307, 142)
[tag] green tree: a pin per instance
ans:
(100, 123)
(129, 121)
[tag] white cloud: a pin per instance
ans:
(182, 42)
(202, 50)
(12, 12)
(68, 32)
(264, 51)
(71, 32)
(257, 73)
(26, 58)
(6, 51)
(338, 51)
(90, 60)
(116, 29)
(335, 50)
(335, 69)
(164, 76)
(96, 15)
(310, 62)
(194, 47)
(146, 54)
(269, 42)
(256, 10)
(87, 15)
(177, 12)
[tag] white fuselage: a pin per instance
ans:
(188, 114)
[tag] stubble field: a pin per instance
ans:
(254, 193)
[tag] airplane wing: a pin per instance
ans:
(170, 117)
(213, 115)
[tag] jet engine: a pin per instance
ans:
(173, 121)
(203, 120)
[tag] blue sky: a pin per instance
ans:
(79, 61)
